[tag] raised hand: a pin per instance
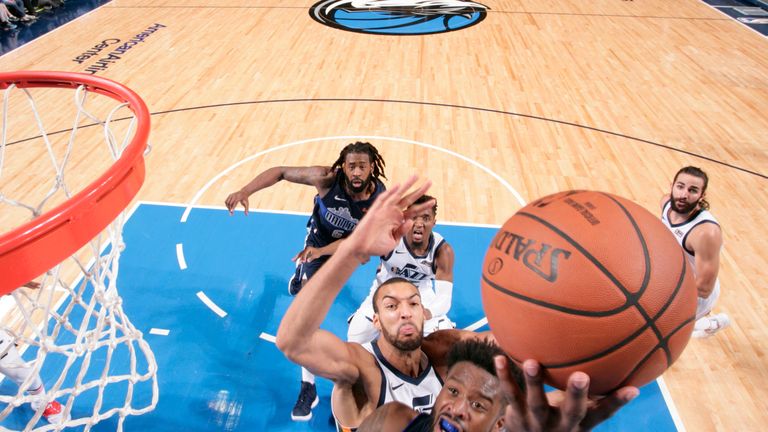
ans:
(387, 220)
(530, 411)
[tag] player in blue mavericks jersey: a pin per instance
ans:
(345, 191)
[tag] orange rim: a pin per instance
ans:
(33, 248)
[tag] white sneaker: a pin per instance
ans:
(716, 323)
(54, 413)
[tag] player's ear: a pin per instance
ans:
(499, 425)
(376, 322)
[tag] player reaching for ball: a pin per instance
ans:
(685, 211)
(402, 365)
(482, 393)
(594, 283)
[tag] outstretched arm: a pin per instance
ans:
(318, 176)
(529, 410)
(299, 336)
(706, 243)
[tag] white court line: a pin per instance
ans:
(216, 178)
(295, 213)
(159, 332)
(670, 405)
(221, 207)
(180, 256)
(211, 305)
(476, 325)
(267, 337)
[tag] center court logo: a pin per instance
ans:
(398, 17)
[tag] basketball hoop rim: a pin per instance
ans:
(34, 247)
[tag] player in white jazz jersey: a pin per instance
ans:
(364, 380)
(425, 259)
(685, 211)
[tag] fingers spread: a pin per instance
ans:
(413, 196)
(514, 416)
(402, 229)
(299, 256)
(608, 406)
(538, 406)
(574, 408)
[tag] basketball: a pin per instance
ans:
(589, 281)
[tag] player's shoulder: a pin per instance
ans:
(323, 177)
(363, 357)
(706, 232)
(389, 417)
(441, 242)
(380, 187)
(362, 362)
(443, 249)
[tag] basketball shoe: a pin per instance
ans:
(307, 400)
(294, 285)
(53, 413)
(715, 324)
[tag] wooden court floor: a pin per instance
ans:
(541, 96)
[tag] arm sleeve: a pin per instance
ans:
(443, 294)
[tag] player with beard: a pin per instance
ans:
(685, 211)
(345, 191)
(423, 258)
(401, 365)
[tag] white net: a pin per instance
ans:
(67, 329)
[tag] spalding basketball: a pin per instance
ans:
(589, 281)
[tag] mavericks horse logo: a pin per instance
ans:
(398, 17)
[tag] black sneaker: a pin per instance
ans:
(294, 285)
(308, 399)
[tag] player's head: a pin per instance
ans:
(422, 223)
(398, 314)
(689, 190)
(471, 398)
(361, 164)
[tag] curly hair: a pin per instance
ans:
(377, 162)
(696, 172)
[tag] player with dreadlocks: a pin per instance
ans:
(345, 191)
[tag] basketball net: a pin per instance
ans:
(72, 330)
